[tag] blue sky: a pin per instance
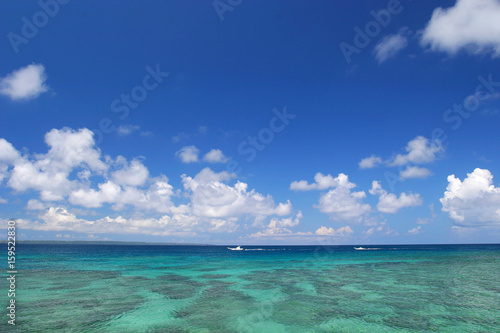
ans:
(251, 122)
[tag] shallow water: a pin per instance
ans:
(139, 288)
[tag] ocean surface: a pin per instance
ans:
(156, 288)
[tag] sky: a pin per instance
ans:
(251, 122)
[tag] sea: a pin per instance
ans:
(174, 288)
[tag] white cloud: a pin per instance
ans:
(322, 182)
(70, 148)
(8, 155)
(52, 184)
(279, 227)
(302, 185)
(73, 172)
(59, 219)
(25, 83)
(212, 197)
(475, 202)
(3, 171)
(74, 152)
(188, 154)
(215, 156)
(127, 129)
(390, 203)
(381, 228)
(133, 174)
(390, 45)
(2, 201)
(415, 172)
(7, 152)
(155, 198)
(126, 184)
(473, 25)
(415, 231)
(177, 224)
(342, 204)
(34, 204)
(420, 151)
(48, 173)
(289, 222)
(108, 193)
(370, 162)
(343, 231)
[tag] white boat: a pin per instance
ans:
(238, 248)
(365, 248)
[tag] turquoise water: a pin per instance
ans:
(124, 288)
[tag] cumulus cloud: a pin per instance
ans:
(70, 149)
(73, 172)
(52, 184)
(176, 224)
(475, 202)
(341, 203)
(212, 197)
(415, 231)
(74, 152)
(214, 207)
(133, 174)
(321, 182)
(370, 162)
(419, 151)
(48, 173)
(390, 45)
(288, 222)
(215, 156)
(25, 83)
(472, 25)
(188, 154)
(343, 231)
(381, 228)
(390, 203)
(279, 227)
(60, 219)
(34, 204)
(415, 172)
(156, 198)
(123, 184)
(7, 152)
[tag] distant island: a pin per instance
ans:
(100, 243)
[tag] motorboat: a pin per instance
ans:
(359, 248)
(238, 248)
